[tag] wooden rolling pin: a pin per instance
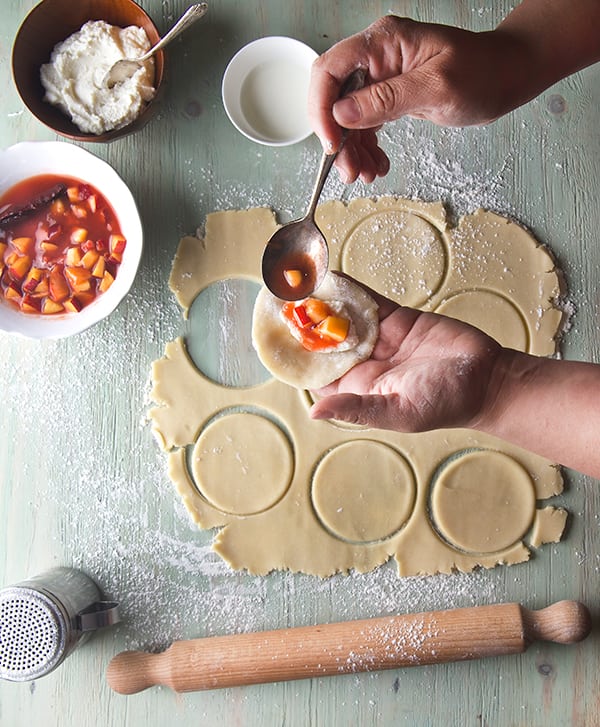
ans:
(353, 646)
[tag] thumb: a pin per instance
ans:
(368, 410)
(385, 100)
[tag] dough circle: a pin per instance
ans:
(363, 491)
(482, 501)
(397, 253)
(289, 361)
(492, 313)
(228, 463)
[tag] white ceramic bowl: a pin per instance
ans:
(265, 90)
(29, 159)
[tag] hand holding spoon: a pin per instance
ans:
(296, 257)
(124, 69)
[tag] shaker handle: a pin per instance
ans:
(98, 615)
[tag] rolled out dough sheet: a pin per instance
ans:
(287, 492)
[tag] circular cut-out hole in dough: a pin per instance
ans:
(398, 254)
(490, 312)
(218, 334)
(482, 501)
(363, 491)
(242, 463)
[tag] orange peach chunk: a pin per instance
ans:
(58, 207)
(79, 234)
(22, 244)
(30, 304)
(58, 287)
(106, 282)
(79, 211)
(73, 194)
(316, 309)
(50, 307)
(90, 259)
(32, 279)
(293, 277)
(98, 269)
(19, 267)
(73, 256)
(78, 279)
(73, 305)
(12, 293)
(334, 327)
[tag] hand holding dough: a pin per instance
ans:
(426, 372)
(289, 361)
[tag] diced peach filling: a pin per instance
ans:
(316, 323)
(59, 266)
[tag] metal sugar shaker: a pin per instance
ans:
(45, 617)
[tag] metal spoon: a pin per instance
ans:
(124, 69)
(296, 257)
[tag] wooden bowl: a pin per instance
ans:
(49, 23)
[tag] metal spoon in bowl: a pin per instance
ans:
(124, 69)
(296, 258)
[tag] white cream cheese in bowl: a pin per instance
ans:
(74, 77)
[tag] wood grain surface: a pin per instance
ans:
(83, 483)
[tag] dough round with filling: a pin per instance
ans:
(289, 361)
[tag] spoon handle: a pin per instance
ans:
(355, 81)
(324, 169)
(193, 13)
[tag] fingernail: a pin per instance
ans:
(345, 176)
(346, 111)
(327, 145)
(383, 166)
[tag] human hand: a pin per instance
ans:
(426, 372)
(449, 76)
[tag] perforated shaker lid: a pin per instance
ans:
(33, 634)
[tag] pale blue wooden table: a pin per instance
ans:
(83, 482)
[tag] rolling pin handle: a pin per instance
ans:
(131, 672)
(564, 622)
